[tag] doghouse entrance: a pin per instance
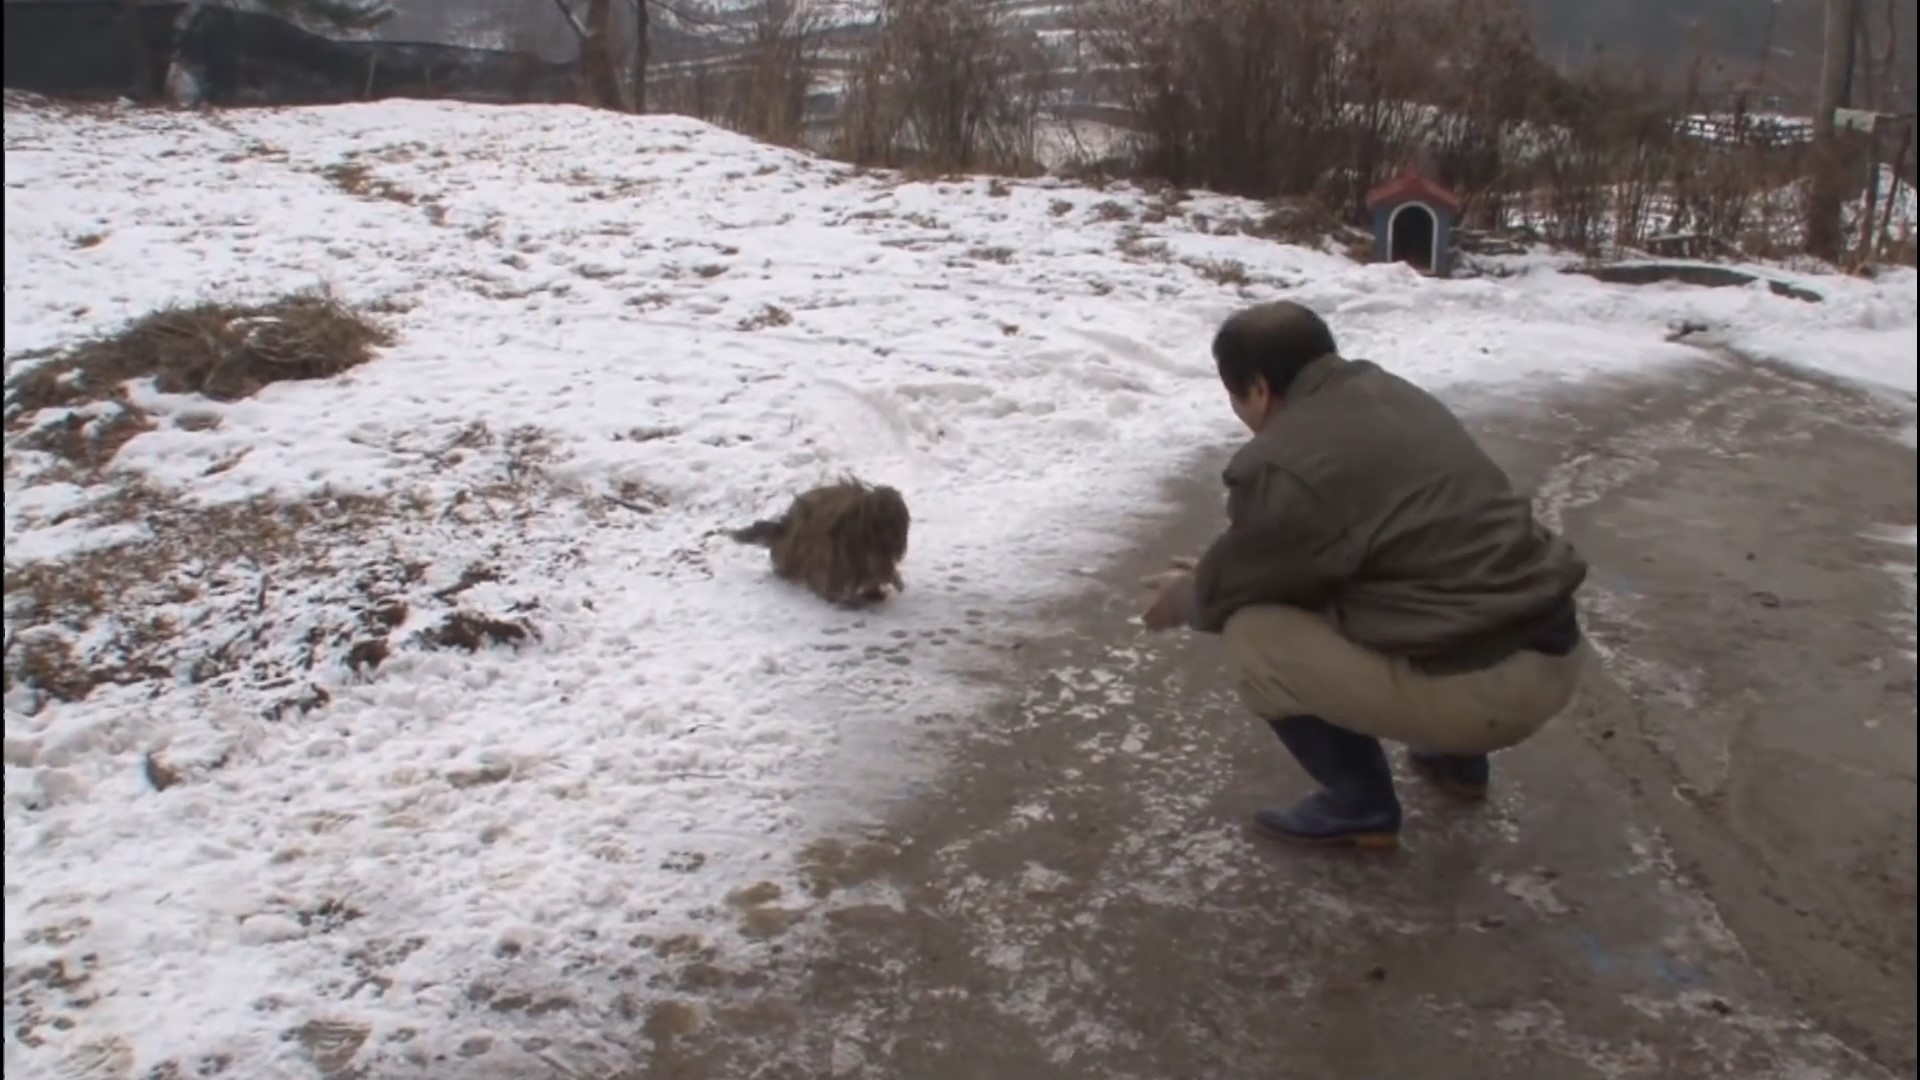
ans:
(1410, 237)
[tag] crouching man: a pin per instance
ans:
(1379, 578)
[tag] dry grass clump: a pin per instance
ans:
(223, 351)
(89, 439)
(138, 604)
(356, 179)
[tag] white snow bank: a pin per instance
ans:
(1865, 335)
(588, 305)
(1859, 330)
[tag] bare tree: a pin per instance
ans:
(599, 72)
(950, 83)
(754, 75)
(599, 63)
(138, 48)
(642, 53)
(775, 72)
(1241, 96)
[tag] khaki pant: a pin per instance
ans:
(1289, 662)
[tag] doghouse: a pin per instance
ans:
(1413, 222)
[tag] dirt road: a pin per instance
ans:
(1705, 870)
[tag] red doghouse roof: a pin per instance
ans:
(1412, 186)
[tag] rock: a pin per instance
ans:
(266, 928)
(159, 774)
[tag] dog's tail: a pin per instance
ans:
(761, 532)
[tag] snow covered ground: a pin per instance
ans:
(1868, 346)
(614, 336)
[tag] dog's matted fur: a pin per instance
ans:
(844, 541)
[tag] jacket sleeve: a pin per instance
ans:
(1283, 545)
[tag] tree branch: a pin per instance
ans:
(682, 14)
(573, 20)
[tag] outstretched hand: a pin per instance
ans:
(1172, 602)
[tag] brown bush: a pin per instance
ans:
(1310, 101)
(225, 352)
(947, 85)
(1251, 97)
(1319, 100)
(1623, 167)
(759, 79)
(222, 351)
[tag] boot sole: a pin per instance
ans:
(1364, 841)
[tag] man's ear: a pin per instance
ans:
(1266, 394)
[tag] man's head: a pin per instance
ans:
(1260, 351)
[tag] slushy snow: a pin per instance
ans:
(614, 336)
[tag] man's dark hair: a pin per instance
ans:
(1273, 341)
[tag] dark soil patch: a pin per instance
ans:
(476, 574)
(769, 315)
(89, 440)
(357, 179)
(471, 632)
(367, 656)
(49, 663)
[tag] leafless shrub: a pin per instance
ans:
(758, 80)
(1238, 96)
(948, 85)
(1319, 98)
(1318, 101)
(1620, 166)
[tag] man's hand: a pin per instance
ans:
(1172, 599)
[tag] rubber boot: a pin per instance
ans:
(1356, 806)
(1463, 777)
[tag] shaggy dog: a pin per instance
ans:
(844, 541)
